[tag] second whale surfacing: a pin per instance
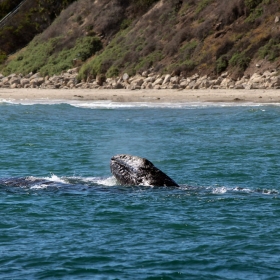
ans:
(134, 171)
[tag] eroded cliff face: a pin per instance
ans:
(180, 37)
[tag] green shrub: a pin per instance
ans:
(251, 4)
(113, 71)
(256, 13)
(202, 5)
(113, 57)
(271, 50)
(102, 63)
(187, 49)
(125, 23)
(33, 58)
(148, 61)
(240, 60)
(178, 68)
(3, 56)
(221, 64)
(188, 66)
(32, 18)
(43, 56)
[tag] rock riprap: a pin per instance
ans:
(145, 80)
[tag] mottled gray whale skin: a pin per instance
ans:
(133, 171)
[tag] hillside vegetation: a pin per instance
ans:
(33, 17)
(111, 37)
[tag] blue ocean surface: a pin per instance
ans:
(64, 216)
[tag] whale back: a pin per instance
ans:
(133, 170)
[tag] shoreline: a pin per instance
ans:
(145, 95)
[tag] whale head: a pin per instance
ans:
(133, 170)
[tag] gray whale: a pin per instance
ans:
(133, 171)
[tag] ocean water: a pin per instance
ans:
(64, 216)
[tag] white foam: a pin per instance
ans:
(43, 101)
(55, 178)
(109, 182)
(219, 190)
(39, 187)
(127, 105)
(245, 190)
(107, 104)
(9, 101)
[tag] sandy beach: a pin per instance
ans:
(123, 95)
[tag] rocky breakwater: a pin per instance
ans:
(145, 80)
(65, 80)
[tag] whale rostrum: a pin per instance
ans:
(133, 171)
